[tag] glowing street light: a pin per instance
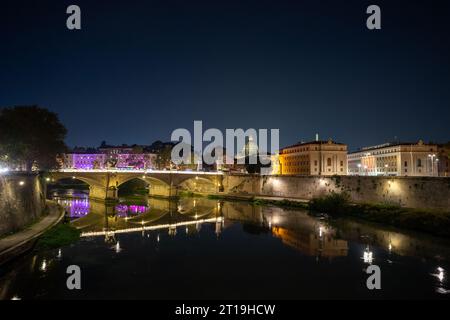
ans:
(440, 274)
(368, 256)
(433, 161)
(43, 265)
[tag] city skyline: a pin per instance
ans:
(136, 72)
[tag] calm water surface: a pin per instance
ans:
(201, 248)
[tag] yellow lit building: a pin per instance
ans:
(395, 159)
(314, 158)
(444, 160)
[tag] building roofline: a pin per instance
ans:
(319, 142)
(389, 145)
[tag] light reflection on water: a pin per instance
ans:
(79, 206)
(156, 243)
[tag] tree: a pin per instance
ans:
(31, 136)
(163, 158)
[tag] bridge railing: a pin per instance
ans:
(142, 171)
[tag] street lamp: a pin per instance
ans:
(432, 156)
(386, 168)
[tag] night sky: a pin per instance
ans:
(139, 69)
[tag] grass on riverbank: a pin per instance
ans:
(60, 235)
(436, 222)
(281, 203)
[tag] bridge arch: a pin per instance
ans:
(104, 184)
(61, 179)
(157, 187)
(200, 184)
(148, 179)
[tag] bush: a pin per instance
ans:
(334, 203)
(62, 234)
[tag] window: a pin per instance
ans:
(328, 161)
(406, 163)
(315, 162)
(342, 163)
(419, 163)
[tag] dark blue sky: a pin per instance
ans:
(139, 69)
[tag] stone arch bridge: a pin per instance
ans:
(104, 184)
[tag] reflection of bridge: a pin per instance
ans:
(103, 184)
(170, 226)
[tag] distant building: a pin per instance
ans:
(122, 149)
(250, 159)
(314, 158)
(85, 161)
(395, 159)
(107, 156)
(444, 160)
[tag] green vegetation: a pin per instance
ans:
(31, 136)
(214, 197)
(426, 220)
(187, 194)
(436, 222)
(281, 203)
(337, 203)
(431, 221)
(60, 235)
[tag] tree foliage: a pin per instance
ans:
(30, 136)
(163, 158)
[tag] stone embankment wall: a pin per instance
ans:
(22, 201)
(413, 192)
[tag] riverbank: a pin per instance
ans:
(431, 221)
(20, 242)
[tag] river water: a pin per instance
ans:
(197, 248)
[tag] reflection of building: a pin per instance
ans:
(395, 159)
(76, 208)
(314, 158)
(311, 243)
(444, 160)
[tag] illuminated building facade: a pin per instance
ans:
(314, 158)
(85, 161)
(444, 160)
(395, 159)
(122, 157)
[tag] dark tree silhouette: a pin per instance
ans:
(30, 135)
(163, 158)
